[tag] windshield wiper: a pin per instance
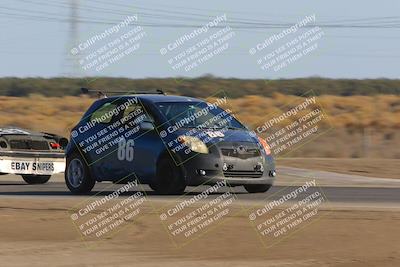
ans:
(233, 128)
(222, 128)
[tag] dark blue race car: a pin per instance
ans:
(167, 142)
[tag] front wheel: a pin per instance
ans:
(36, 179)
(77, 175)
(257, 188)
(169, 179)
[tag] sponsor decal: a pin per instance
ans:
(215, 134)
(34, 166)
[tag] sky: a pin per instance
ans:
(352, 38)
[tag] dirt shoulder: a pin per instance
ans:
(37, 232)
(380, 168)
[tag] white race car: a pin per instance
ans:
(35, 156)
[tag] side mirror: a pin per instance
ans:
(146, 126)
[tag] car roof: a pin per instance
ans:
(152, 98)
(158, 98)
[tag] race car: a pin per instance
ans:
(168, 142)
(33, 155)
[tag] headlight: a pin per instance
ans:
(265, 145)
(194, 144)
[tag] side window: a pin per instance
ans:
(104, 114)
(135, 114)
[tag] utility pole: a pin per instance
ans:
(72, 68)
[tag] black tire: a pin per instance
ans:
(257, 188)
(77, 175)
(36, 179)
(169, 179)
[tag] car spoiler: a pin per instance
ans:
(102, 94)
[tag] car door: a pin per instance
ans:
(141, 146)
(95, 141)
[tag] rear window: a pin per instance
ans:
(102, 114)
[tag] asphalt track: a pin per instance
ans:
(370, 190)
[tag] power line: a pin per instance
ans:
(382, 22)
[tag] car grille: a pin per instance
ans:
(29, 144)
(245, 154)
(251, 174)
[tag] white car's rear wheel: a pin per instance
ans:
(35, 179)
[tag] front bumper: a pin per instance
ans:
(230, 181)
(207, 169)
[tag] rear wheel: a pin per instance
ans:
(257, 188)
(77, 175)
(169, 179)
(36, 179)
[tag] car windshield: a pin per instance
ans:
(198, 115)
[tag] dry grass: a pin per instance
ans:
(354, 111)
(351, 117)
(50, 114)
